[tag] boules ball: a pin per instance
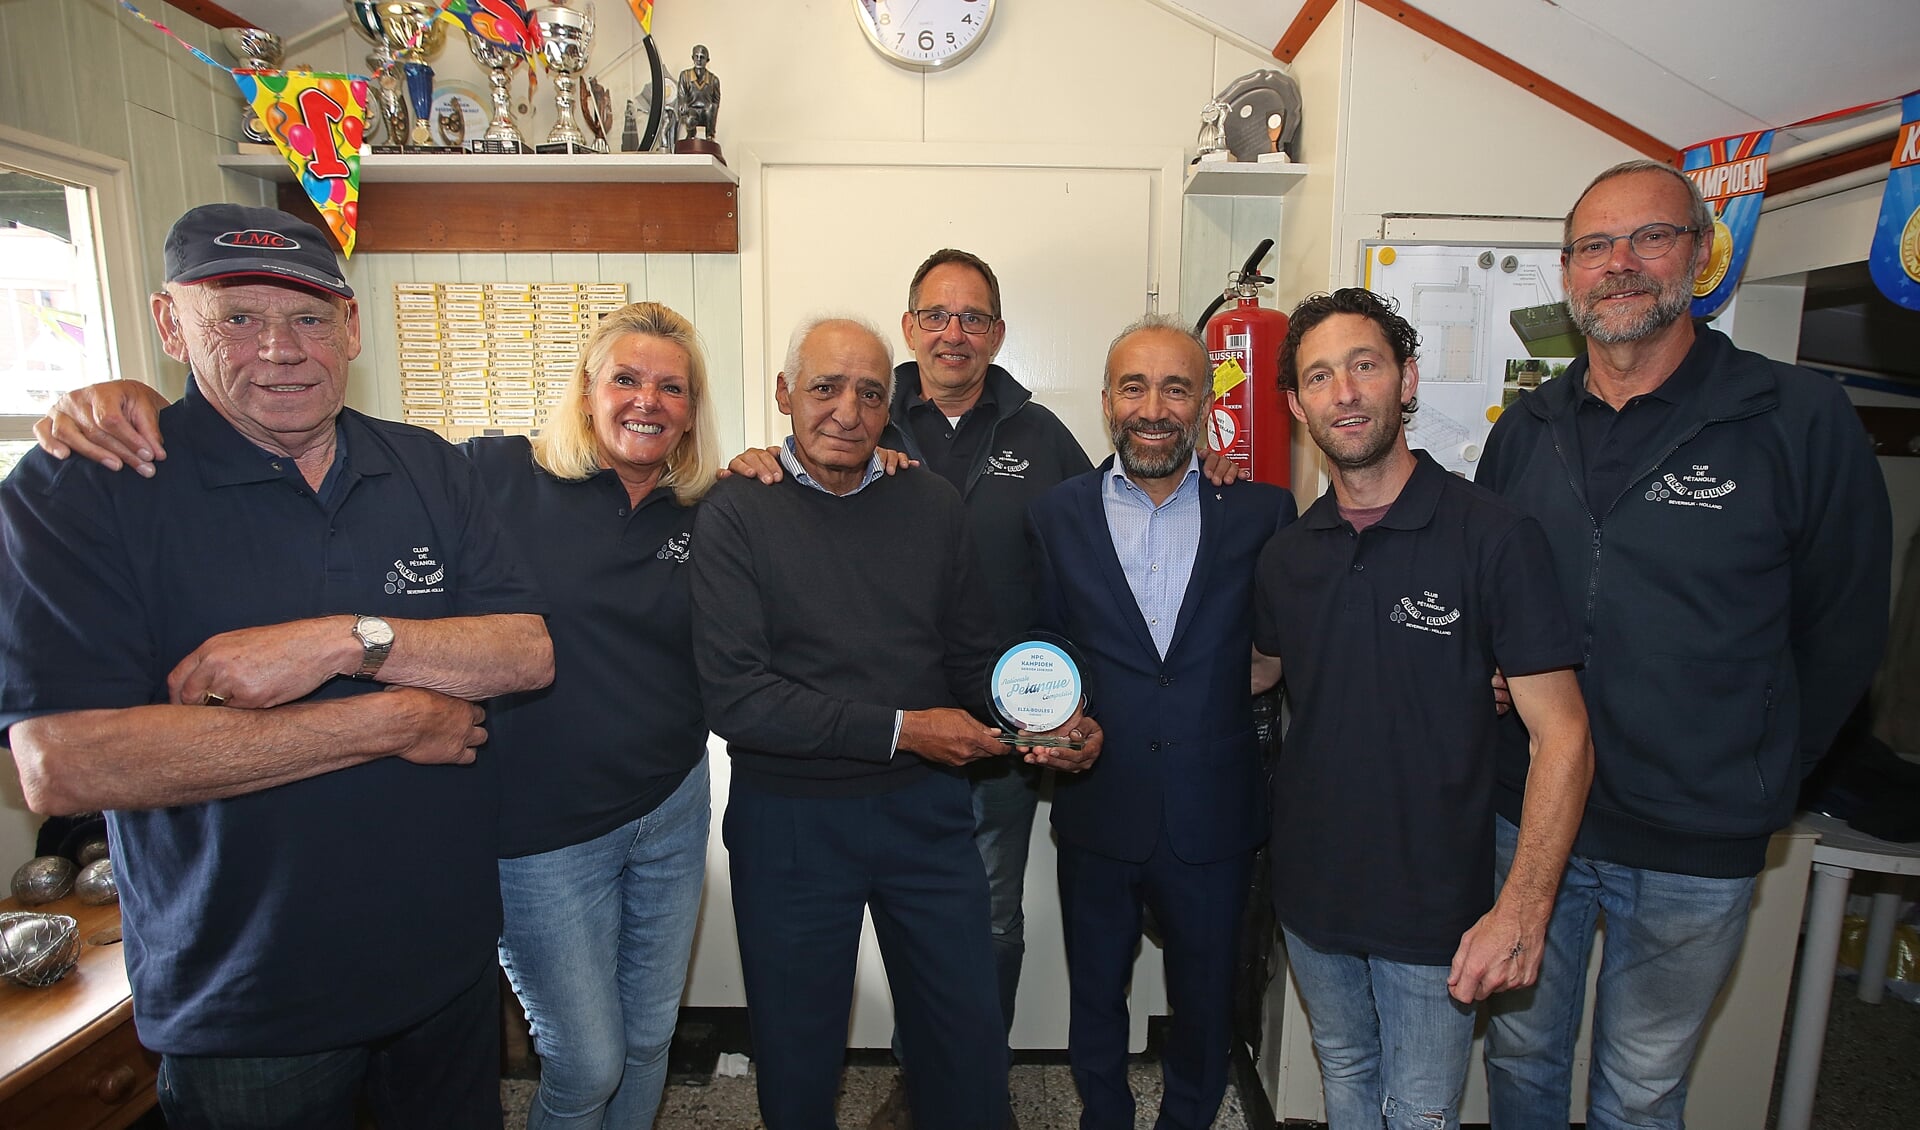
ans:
(95, 886)
(43, 879)
(91, 851)
(38, 949)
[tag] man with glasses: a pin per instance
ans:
(1721, 535)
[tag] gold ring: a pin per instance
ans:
(211, 699)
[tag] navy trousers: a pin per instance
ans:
(1197, 907)
(803, 870)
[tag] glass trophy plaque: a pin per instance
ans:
(1036, 685)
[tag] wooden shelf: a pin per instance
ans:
(531, 202)
(1243, 178)
(524, 168)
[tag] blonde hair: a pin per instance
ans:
(567, 448)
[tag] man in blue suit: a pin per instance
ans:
(1148, 569)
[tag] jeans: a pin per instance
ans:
(1671, 943)
(1393, 1044)
(442, 1073)
(595, 943)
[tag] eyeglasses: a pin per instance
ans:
(1649, 241)
(933, 321)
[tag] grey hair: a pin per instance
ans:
(1699, 213)
(791, 369)
(1171, 323)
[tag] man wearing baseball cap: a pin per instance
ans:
(306, 869)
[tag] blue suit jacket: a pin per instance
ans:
(1180, 752)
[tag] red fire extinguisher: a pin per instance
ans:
(1250, 422)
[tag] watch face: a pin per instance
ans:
(924, 34)
(373, 631)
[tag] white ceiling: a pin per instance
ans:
(1683, 70)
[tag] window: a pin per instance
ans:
(68, 301)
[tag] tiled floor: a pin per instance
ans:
(1869, 1080)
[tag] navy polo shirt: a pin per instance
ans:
(621, 725)
(1383, 795)
(312, 915)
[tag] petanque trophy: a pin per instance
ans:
(699, 107)
(414, 32)
(1036, 685)
(256, 50)
(566, 36)
(502, 135)
(388, 91)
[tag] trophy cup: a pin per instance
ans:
(501, 136)
(365, 18)
(413, 32)
(566, 36)
(257, 51)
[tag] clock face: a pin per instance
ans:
(924, 34)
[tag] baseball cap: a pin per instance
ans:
(218, 241)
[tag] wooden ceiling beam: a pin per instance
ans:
(1832, 165)
(1531, 81)
(1302, 28)
(209, 13)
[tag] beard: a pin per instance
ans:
(1144, 465)
(1671, 300)
(1355, 453)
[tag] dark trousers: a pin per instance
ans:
(440, 1074)
(1197, 907)
(803, 870)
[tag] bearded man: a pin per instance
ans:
(1148, 569)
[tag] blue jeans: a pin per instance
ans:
(1671, 942)
(442, 1073)
(1393, 1044)
(595, 942)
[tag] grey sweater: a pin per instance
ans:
(817, 616)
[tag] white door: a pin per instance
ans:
(1074, 250)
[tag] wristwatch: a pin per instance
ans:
(376, 641)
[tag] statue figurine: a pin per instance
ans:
(1213, 129)
(699, 108)
(453, 124)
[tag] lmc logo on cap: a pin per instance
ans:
(254, 237)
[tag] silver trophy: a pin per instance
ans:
(499, 63)
(255, 50)
(566, 37)
(388, 82)
(414, 32)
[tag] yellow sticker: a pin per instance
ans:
(1227, 375)
(1387, 256)
(1493, 414)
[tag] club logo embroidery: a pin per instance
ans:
(1427, 614)
(1007, 465)
(676, 549)
(255, 238)
(417, 574)
(1695, 488)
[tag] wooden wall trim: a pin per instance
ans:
(1832, 165)
(209, 13)
(1301, 29)
(614, 217)
(1531, 81)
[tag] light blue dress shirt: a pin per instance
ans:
(1156, 545)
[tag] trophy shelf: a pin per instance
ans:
(1243, 178)
(649, 203)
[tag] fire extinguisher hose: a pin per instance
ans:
(1248, 270)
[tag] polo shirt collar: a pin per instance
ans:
(227, 458)
(1412, 510)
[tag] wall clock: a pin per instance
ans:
(924, 35)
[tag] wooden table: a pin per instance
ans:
(69, 1058)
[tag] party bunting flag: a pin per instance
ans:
(318, 121)
(1732, 175)
(1894, 261)
(643, 11)
(503, 23)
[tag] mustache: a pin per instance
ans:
(1621, 284)
(1167, 425)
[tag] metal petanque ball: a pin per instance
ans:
(43, 878)
(94, 849)
(38, 949)
(95, 886)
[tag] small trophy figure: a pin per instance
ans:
(597, 108)
(1213, 133)
(699, 109)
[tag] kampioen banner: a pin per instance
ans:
(1732, 175)
(1894, 261)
